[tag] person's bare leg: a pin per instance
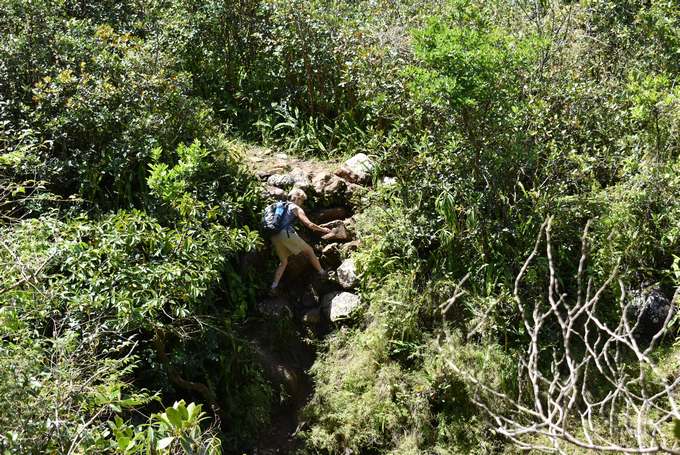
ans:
(279, 272)
(309, 253)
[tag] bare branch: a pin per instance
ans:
(628, 411)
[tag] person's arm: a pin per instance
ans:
(308, 224)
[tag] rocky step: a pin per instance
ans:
(342, 184)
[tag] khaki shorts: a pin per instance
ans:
(288, 244)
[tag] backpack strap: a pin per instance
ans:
(286, 225)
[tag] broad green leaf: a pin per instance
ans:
(174, 417)
(165, 442)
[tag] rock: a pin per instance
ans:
(263, 175)
(347, 274)
(353, 190)
(300, 179)
(320, 181)
(357, 169)
(349, 247)
(339, 305)
(335, 188)
(328, 185)
(274, 192)
(281, 156)
(651, 308)
(326, 215)
(351, 226)
(360, 163)
(338, 231)
(273, 307)
(281, 180)
(330, 256)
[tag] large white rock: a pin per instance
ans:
(339, 305)
(360, 163)
(347, 274)
(357, 169)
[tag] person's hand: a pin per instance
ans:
(325, 230)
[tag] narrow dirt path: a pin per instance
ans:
(305, 307)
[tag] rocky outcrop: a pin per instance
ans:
(330, 256)
(349, 247)
(650, 309)
(339, 305)
(332, 195)
(281, 180)
(357, 169)
(347, 274)
(275, 193)
(339, 232)
(301, 179)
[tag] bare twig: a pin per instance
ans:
(633, 400)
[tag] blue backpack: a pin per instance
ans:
(274, 217)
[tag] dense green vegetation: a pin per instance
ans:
(125, 208)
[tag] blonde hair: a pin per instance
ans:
(297, 192)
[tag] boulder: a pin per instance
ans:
(281, 180)
(335, 189)
(329, 186)
(339, 305)
(300, 179)
(338, 232)
(347, 274)
(330, 256)
(353, 190)
(349, 247)
(651, 308)
(351, 226)
(357, 169)
(275, 193)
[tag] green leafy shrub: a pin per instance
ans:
(103, 288)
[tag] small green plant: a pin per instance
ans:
(179, 427)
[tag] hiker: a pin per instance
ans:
(286, 241)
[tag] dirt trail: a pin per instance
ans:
(265, 162)
(286, 361)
